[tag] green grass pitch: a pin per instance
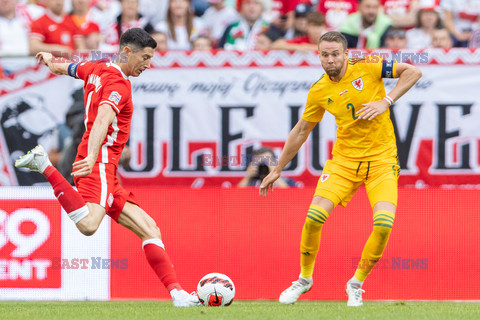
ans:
(241, 310)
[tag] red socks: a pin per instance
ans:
(71, 201)
(160, 263)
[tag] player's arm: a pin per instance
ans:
(295, 140)
(407, 76)
(104, 118)
(46, 58)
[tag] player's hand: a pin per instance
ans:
(267, 183)
(373, 109)
(83, 167)
(45, 58)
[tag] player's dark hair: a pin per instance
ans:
(334, 36)
(137, 39)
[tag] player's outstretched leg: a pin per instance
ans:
(309, 245)
(137, 220)
(372, 252)
(71, 201)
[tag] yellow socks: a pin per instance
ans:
(310, 242)
(376, 243)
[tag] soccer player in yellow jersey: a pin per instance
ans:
(365, 152)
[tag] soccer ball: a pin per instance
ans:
(216, 290)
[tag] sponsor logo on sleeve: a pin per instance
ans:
(115, 97)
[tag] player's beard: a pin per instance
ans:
(333, 72)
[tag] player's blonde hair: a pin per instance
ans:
(334, 36)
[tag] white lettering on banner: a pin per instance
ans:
(256, 84)
(210, 88)
(24, 269)
(25, 244)
(156, 87)
(35, 269)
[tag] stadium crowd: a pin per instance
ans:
(66, 26)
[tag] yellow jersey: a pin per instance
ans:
(357, 139)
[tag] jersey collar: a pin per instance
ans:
(118, 68)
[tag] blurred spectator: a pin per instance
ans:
(299, 25)
(2, 74)
(460, 19)
(402, 12)
(217, 18)
(15, 20)
(280, 25)
(285, 8)
(441, 38)
(316, 27)
(337, 11)
(181, 27)
(396, 38)
(104, 13)
(51, 33)
(154, 10)
(292, 24)
(262, 162)
(366, 28)
(80, 19)
(264, 42)
(280, 15)
(430, 5)
(202, 43)
(199, 7)
(129, 18)
(421, 36)
(475, 39)
(161, 39)
(242, 35)
(266, 39)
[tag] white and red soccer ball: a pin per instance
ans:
(216, 290)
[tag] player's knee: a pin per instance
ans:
(316, 216)
(383, 222)
(87, 227)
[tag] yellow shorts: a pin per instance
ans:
(341, 178)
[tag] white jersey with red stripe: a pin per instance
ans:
(105, 83)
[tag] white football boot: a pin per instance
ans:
(35, 160)
(182, 298)
(354, 295)
(291, 294)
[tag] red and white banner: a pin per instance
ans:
(254, 240)
(42, 254)
(198, 114)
